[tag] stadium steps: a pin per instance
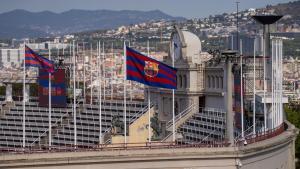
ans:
(180, 119)
(88, 129)
(208, 124)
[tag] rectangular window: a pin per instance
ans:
(8, 55)
(19, 57)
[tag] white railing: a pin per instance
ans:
(181, 115)
(168, 136)
(140, 113)
(136, 116)
(246, 133)
(45, 132)
(206, 137)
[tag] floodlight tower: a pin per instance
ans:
(265, 97)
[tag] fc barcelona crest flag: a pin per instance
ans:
(143, 69)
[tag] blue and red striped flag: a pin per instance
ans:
(148, 71)
(33, 59)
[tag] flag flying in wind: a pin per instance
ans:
(33, 59)
(149, 71)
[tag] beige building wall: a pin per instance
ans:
(138, 130)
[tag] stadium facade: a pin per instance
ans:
(207, 124)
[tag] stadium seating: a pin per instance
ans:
(62, 122)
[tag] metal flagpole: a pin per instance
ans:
(264, 87)
(49, 100)
(100, 99)
(130, 82)
(74, 96)
(274, 55)
(91, 53)
(24, 111)
(112, 72)
(77, 60)
(125, 115)
(277, 84)
(242, 99)
(274, 118)
(149, 116)
(280, 81)
(272, 86)
(83, 53)
(173, 98)
(70, 55)
(254, 92)
(103, 65)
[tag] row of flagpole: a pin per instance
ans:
(276, 88)
(100, 55)
(99, 96)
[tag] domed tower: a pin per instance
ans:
(189, 61)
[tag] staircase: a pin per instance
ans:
(43, 139)
(180, 119)
(106, 136)
(5, 108)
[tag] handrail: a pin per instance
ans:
(169, 135)
(137, 115)
(259, 136)
(239, 136)
(112, 147)
(177, 118)
(140, 113)
(207, 136)
(181, 115)
(56, 122)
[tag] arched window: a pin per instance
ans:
(208, 81)
(184, 81)
(213, 81)
(221, 82)
(180, 81)
(217, 82)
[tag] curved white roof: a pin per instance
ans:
(193, 45)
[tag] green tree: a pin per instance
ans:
(293, 116)
(156, 127)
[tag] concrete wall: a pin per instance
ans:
(215, 87)
(11, 57)
(277, 152)
(215, 102)
(278, 158)
(138, 130)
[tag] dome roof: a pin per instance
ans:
(193, 45)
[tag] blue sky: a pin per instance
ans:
(185, 8)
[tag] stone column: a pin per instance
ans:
(8, 93)
(26, 94)
(228, 102)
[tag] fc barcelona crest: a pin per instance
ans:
(151, 68)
